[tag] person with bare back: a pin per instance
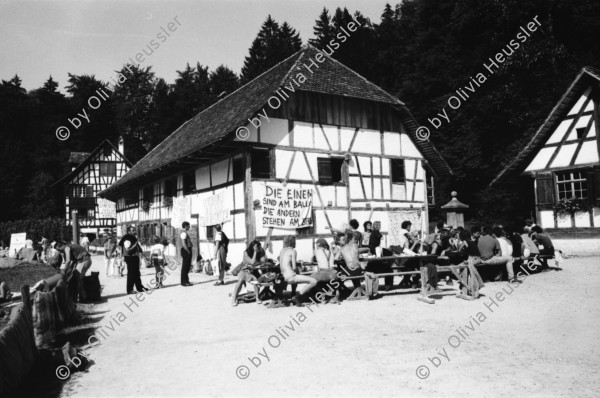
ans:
(287, 263)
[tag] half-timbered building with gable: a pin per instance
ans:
(562, 159)
(307, 123)
(91, 173)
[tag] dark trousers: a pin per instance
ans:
(133, 273)
(186, 265)
(381, 268)
(222, 256)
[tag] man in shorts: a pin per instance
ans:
(287, 263)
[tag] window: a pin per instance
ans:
(131, 198)
(82, 191)
(210, 232)
(238, 168)
(261, 163)
(572, 185)
(580, 132)
(108, 169)
(330, 170)
(189, 182)
(148, 194)
(430, 189)
(397, 170)
(85, 206)
(107, 152)
(171, 187)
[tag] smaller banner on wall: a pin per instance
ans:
(287, 208)
(17, 242)
(212, 210)
(396, 218)
(106, 209)
(181, 211)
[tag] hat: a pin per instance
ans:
(323, 243)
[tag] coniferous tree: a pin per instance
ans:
(272, 45)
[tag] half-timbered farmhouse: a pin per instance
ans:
(340, 145)
(562, 159)
(90, 174)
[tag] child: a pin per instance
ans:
(157, 259)
(109, 251)
(118, 262)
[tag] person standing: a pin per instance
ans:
(131, 248)
(85, 242)
(186, 254)
(109, 252)
(157, 259)
(221, 244)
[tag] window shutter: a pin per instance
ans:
(545, 189)
(89, 191)
(594, 187)
(324, 168)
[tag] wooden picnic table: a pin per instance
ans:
(422, 259)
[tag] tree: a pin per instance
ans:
(134, 109)
(323, 30)
(223, 81)
(272, 45)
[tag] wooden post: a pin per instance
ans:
(248, 200)
(25, 297)
(75, 225)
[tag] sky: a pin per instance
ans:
(46, 38)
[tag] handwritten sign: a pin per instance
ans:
(181, 211)
(287, 208)
(106, 208)
(17, 242)
(212, 210)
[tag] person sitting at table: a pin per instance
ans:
(491, 253)
(325, 273)
(545, 245)
(287, 263)
(380, 267)
(253, 255)
(368, 227)
(352, 266)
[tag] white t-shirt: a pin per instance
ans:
(218, 237)
(506, 247)
(403, 238)
(157, 249)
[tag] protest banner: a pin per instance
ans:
(213, 210)
(287, 208)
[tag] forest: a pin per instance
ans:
(421, 51)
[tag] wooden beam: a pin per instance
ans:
(248, 200)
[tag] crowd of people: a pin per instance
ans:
(334, 262)
(343, 258)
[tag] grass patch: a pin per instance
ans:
(25, 274)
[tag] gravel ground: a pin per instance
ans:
(540, 339)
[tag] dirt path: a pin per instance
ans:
(541, 340)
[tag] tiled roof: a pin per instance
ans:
(588, 75)
(222, 118)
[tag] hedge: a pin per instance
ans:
(51, 228)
